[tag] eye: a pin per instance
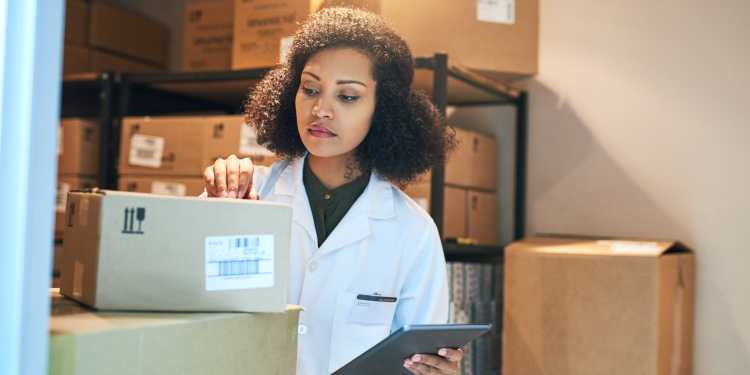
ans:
(309, 91)
(348, 98)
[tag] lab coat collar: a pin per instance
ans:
(375, 203)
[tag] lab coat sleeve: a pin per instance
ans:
(424, 295)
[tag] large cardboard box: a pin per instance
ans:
(585, 307)
(207, 35)
(263, 30)
(473, 163)
(78, 147)
(185, 145)
(76, 22)
(499, 37)
(163, 185)
(76, 59)
(66, 184)
(104, 62)
(131, 251)
(85, 342)
(127, 32)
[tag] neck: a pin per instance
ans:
(333, 171)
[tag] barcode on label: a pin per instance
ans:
(239, 262)
(146, 150)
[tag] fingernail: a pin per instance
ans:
(407, 364)
(417, 358)
(443, 352)
(223, 194)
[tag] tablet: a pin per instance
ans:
(387, 356)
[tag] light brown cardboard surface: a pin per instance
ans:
(116, 261)
(597, 307)
(76, 22)
(207, 35)
(482, 217)
(193, 186)
(78, 153)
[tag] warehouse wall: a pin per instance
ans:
(638, 127)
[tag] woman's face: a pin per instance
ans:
(335, 101)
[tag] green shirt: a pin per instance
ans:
(330, 205)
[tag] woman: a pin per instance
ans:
(366, 259)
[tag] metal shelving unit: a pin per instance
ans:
(111, 97)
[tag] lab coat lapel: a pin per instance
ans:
(290, 184)
(375, 203)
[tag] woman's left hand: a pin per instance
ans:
(445, 363)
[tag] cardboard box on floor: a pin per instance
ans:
(65, 184)
(86, 342)
(78, 147)
(586, 306)
(142, 252)
(162, 185)
(207, 35)
(497, 37)
(128, 33)
(185, 145)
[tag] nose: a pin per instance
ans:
(321, 109)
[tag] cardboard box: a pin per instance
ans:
(78, 147)
(482, 217)
(500, 38)
(473, 163)
(207, 35)
(85, 342)
(142, 252)
(454, 208)
(57, 256)
(76, 22)
(105, 62)
(166, 185)
(185, 145)
(585, 307)
(76, 59)
(263, 30)
(129, 33)
(66, 184)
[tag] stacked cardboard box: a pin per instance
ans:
(87, 342)
(102, 36)
(167, 155)
(586, 306)
(256, 33)
(470, 200)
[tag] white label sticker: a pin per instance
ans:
(496, 11)
(61, 198)
(284, 45)
(623, 247)
(249, 143)
(239, 262)
(146, 150)
(168, 188)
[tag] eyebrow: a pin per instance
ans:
(339, 82)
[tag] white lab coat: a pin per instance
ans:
(385, 245)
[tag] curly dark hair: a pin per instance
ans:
(406, 136)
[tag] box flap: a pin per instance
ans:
(602, 246)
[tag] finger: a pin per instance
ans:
(233, 176)
(434, 361)
(424, 369)
(220, 177)
(208, 181)
(409, 366)
(253, 194)
(246, 177)
(453, 355)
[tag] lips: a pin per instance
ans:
(320, 131)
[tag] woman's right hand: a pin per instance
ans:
(230, 178)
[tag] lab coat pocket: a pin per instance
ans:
(359, 325)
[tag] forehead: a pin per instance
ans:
(340, 63)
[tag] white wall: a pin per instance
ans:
(639, 127)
